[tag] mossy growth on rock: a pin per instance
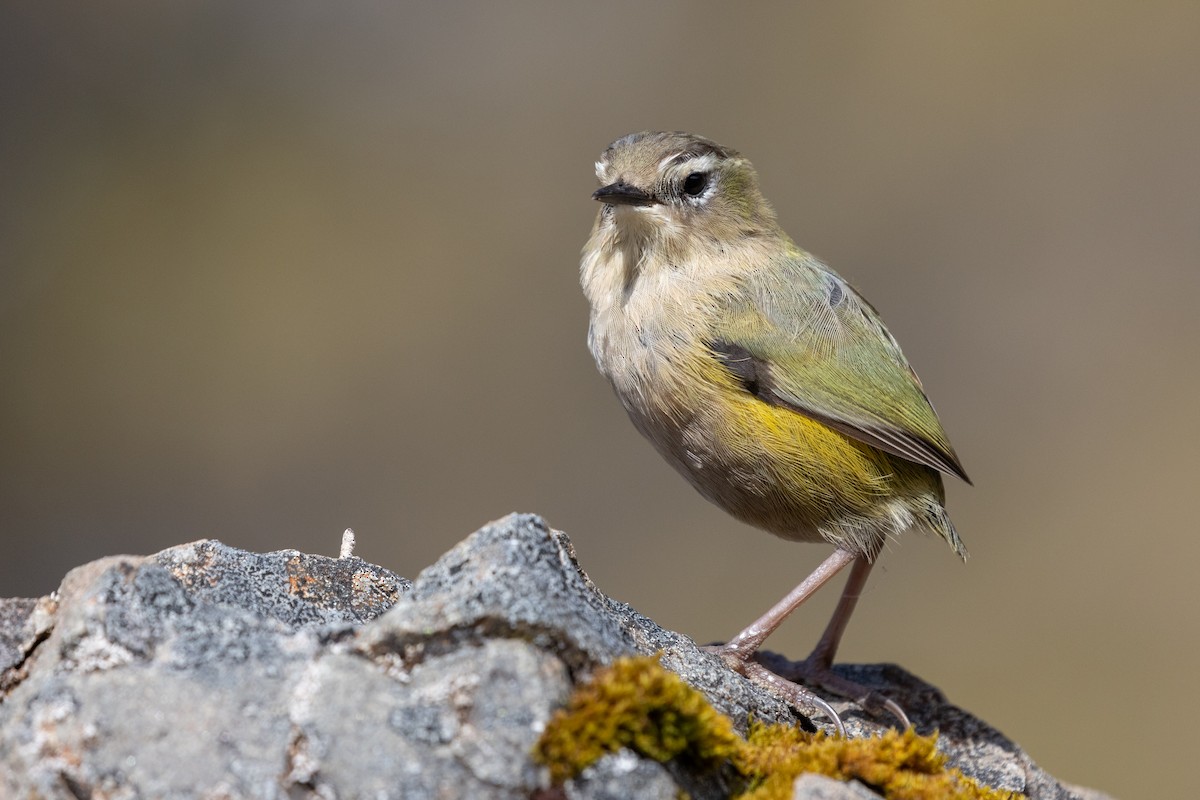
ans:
(635, 703)
(638, 704)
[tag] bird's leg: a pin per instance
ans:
(743, 646)
(739, 651)
(822, 655)
(818, 667)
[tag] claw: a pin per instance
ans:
(793, 694)
(875, 703)
(823, 676)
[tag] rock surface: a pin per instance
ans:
(209, 672)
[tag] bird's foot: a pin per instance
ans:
(817, 671)
(793, 694)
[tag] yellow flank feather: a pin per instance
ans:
(776, 468)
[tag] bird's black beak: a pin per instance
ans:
(622, 194)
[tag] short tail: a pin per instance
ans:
(939, 522)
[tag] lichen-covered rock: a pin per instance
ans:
(205, 671)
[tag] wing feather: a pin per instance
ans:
(817, 347)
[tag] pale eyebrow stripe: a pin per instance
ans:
(702, 162)
(666, 162)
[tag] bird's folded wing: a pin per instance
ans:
(811, 343)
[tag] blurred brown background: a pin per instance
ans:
(268, 271)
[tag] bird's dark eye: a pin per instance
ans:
(695, 183)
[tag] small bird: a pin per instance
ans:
(762, 376)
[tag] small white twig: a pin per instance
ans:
(347, 544)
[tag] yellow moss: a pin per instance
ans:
(898, 765)
(635, 703)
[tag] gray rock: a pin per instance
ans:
(205, 671)
(24, 622)
(623, 775)
(820, 787)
